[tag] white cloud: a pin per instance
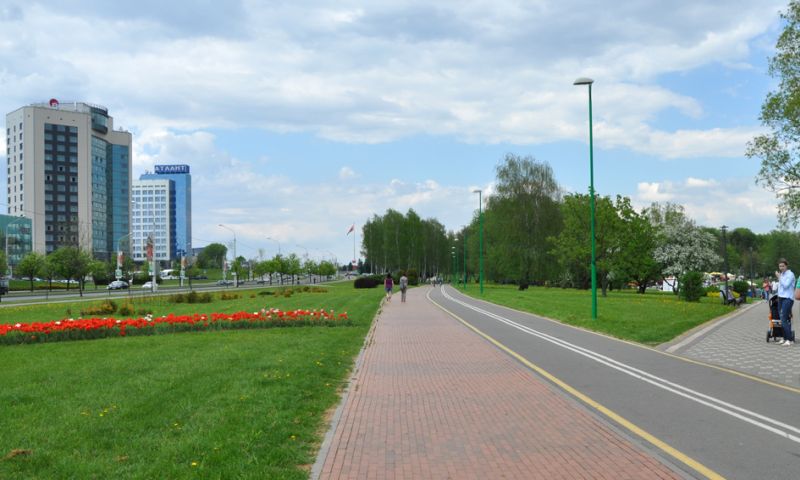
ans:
(480, 71)
(346, 173)
(734, 201)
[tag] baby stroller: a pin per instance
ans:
(775, 328)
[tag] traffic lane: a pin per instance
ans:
(726, 444)
(748, 392)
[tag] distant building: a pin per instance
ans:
(153, 217)
(16, 238)
(181, 177)
(70, 172)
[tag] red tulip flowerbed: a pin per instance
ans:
(90, 328)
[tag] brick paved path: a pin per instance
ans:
(433, 400)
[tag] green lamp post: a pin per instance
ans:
(480, 242)
(589, 82)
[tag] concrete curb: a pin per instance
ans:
(324, 449)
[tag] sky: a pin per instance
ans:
(300, 119)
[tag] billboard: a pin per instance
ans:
(172, 169)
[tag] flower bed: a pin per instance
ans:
(90, 328)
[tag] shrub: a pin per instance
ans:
(365, 282)
(145, 311)
(228, 296)
(105, 307)
(413, 276)
(204, 298)
(741, 287)
(266, 292)
(177, 298)
(691, 286)
(126, 309)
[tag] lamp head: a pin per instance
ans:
(583, 81)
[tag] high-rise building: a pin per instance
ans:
(182, 181)
(69, 171)
(153, 219)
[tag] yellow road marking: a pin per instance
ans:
(673, 452)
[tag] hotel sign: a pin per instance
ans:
(172, 168)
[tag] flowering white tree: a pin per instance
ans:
(683, 247)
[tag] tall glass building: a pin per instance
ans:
(69, 171)
(182, 193)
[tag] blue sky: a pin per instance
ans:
(300, 118)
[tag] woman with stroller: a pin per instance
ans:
(786, 286)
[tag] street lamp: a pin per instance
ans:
(453, 254)
(725, 256)
(118, 271)
(279, 244)
(8, 259)
(480, 245)
(465, 258)
(589, 82)
(235, 276)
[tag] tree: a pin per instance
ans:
(637, 243)
(778, 149)
(72, 263)
(212, 255)
(682, 246)
(520, 218)
(3, 264)
(31, 265)
(573, 247)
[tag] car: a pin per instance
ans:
(117, 285)
(224, 282)
(148, 285)
(200, 277)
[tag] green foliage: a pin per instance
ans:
(690, 286)
(741, 287)
(126, 309)
(777, 149)
(31, 265)
(212, 256)
(371, 281)
(520, 220)
(395, 241)
(3, 263)
(106, 307)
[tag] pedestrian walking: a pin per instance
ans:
(403, 288)
(388, 284)
(786, 294)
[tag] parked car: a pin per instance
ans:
(117, 285)
(200, 277)
(224, 282)
(147, 285)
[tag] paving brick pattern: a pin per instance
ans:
(740, 343)
(433, 400)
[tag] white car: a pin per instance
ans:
(147, 285)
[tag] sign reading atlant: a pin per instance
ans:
(172, 168)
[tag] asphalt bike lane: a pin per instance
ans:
(736, 426)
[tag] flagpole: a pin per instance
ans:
(355, 233)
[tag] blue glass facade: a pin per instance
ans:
(182, 219)
(118, 174)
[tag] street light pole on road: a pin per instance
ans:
(589, 82)
(235, 275)
(480, 244)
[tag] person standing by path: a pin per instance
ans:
(388, 284)
(786, 286)
(403, 288)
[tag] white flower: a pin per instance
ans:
(17, 325)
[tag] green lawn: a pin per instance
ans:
(652, 318)
(219, 404)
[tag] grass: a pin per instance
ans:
(652, 318)
(222, 404)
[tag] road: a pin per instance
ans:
(22, 297)
(703, 416)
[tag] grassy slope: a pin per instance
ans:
(237, 404)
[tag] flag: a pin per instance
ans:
(352, 227)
